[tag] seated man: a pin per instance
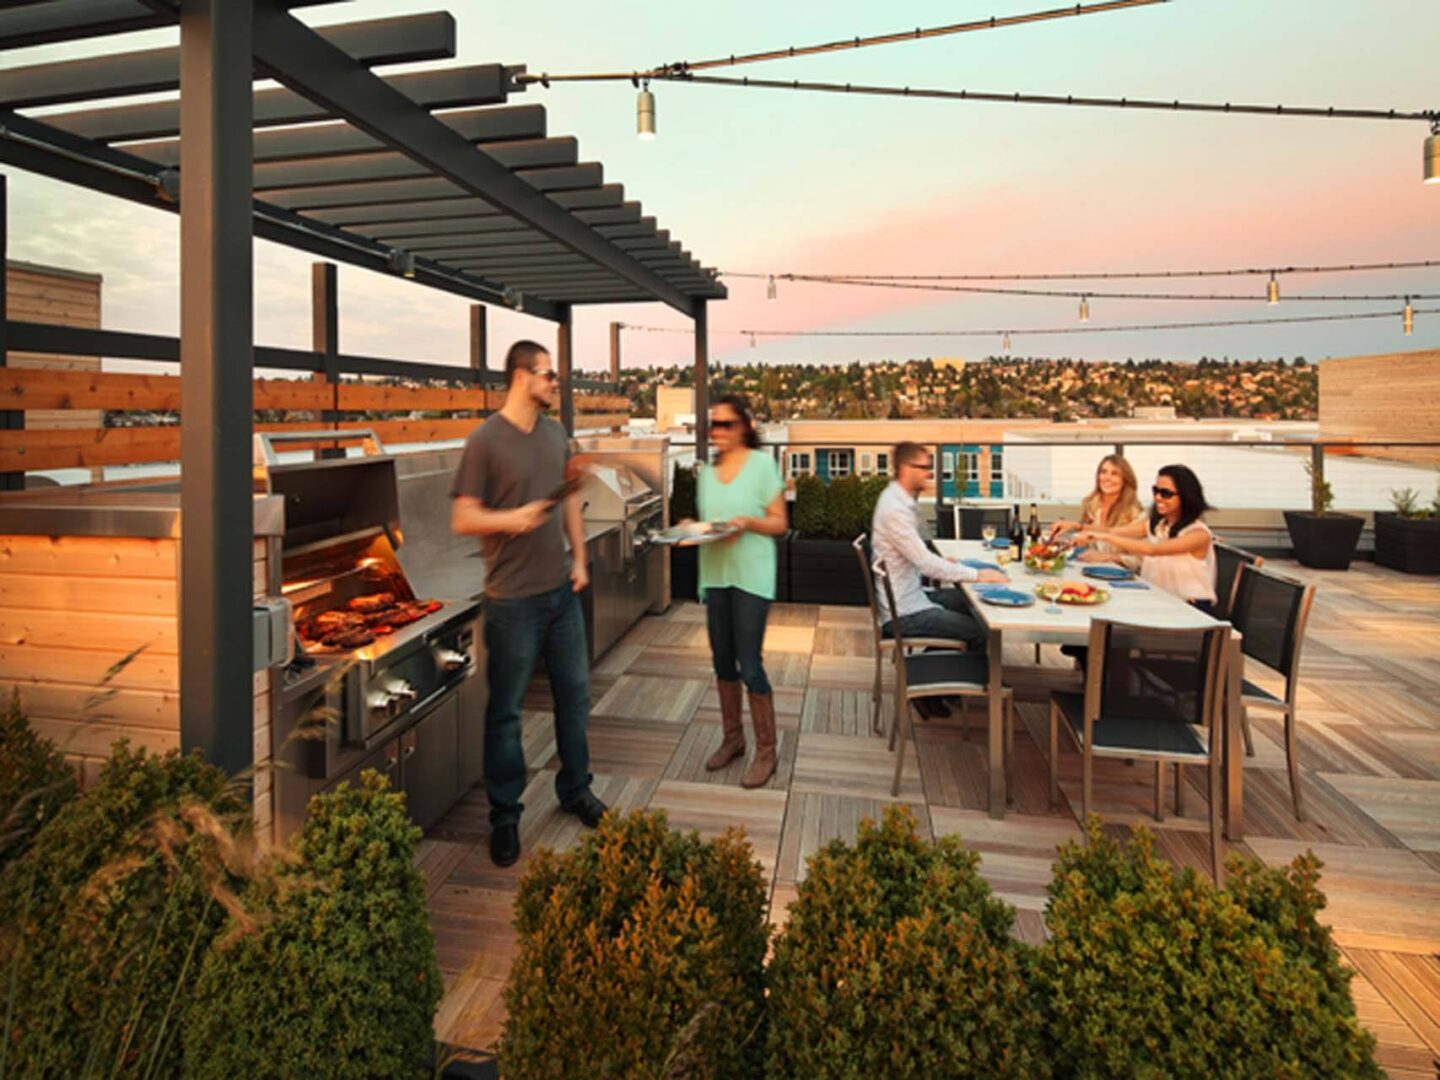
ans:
(896, 541)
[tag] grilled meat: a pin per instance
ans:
(372, 603)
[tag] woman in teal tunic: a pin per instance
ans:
(737, 579)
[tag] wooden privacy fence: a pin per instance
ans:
(24, 390)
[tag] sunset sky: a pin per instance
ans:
(783, 182)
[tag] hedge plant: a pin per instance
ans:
(35, 782)
(1151, 971)
(898, 962)
(845, 510)
(640, 956)
(812, 514)
(683, 494)
(107, 913)
(339, 979)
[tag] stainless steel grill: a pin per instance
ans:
(626, 569)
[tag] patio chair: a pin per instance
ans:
(937, 674)
(1271, 611)
(1228, 561)
(884, 642)
(1123, 713)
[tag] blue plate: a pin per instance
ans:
(1000, 543)
(1108, 573)
(1002, 597)
(978, 564)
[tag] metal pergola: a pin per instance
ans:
(427, 174)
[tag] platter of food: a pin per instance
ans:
(1076, 592)
(694, 533)
(1045, 558)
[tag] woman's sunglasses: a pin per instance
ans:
(1163, 493)
(724, 425)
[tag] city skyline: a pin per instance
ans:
(783, 182)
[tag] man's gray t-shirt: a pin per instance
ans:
(505, 467)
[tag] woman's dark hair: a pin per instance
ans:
(1192, 498)
(741, 407)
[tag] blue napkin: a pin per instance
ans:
(1108, 573)
(1128, 585)
(999, 542)
(999, 594)
(978, 564)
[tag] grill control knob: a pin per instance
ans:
(398, 688)
(450, 660)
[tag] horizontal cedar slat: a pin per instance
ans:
(88, 667)
(96, 740)
(58, 629)
(155, 709)
(95, 555)
(102, 595)
(118, 391)
(364, 397)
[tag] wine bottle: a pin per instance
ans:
(1017, 533)
(1034, 530)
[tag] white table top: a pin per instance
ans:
(1145, 607)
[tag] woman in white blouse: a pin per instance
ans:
(1177, 546)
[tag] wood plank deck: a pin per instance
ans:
(1370, 757)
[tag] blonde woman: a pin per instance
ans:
(1113, 503)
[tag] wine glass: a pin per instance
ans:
(1002, 556)
(987, 533)
(1051, 591)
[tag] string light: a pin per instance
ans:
(770, 288)
(1005, 344)
(1407, 318)
(1108, 275)
(1272, 291)
(645, 113)
(400, 262)
(1084, 309)
(1432, 152)
(1049, 331)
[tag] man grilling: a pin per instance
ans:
(510, 490)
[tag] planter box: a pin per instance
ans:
(684, 573)
(1324, 542)
(824, 572)
(782, 568)
(1408, 544)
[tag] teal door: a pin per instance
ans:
(959, 471)
(831, 464)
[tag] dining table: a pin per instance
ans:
(1130, 601)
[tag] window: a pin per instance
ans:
(867, 465)
(882, 464)
(997, 468)
(839, 462)
(972, 467)
(799, 464)
(947, 466)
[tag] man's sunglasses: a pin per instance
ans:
(1163, 493)
(923, 466)
(548, 375)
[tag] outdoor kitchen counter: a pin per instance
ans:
(87, 512)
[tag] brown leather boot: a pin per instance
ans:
(762, 716)
(733, 745)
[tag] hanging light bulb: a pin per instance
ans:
(1408, 318)
(1432, 153)
(1084, 309)
(770, 288)
(400, 262)
(752, 341)
(645, 113)
(1272, 292)
(1005, 345)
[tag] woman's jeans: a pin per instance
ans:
(736, 621)
(548, 626)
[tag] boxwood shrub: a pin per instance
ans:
(898, 962)
(339, 979)
(846, 516)
(35, 782)
(683, 491)
(812, 513)
(640, 956)
(106, 913)
(1151, 971)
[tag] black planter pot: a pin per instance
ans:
(1324, 541)
(824, 572)
(782, 568)
(684, 573)
(1408, 544)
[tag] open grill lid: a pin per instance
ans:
(332, 497)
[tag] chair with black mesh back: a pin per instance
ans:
(937, 674)
(884, 641)
(1228, 561)
(1271, 611)
(1125, 713)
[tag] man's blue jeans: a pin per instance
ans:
(548, 626)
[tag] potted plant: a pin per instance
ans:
(822, 564)
(1322, 538)
(684, 561)
(1408, 538)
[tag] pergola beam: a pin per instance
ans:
(445, 88)
(396, 40)
(308, 64)
(388, 165)
(73, 20)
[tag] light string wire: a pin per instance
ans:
(1092, 294)
(1103, 275)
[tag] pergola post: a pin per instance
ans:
(479, 347)
(216, 395)
(615, 352)
(564, 367)
(702, 383)
(10, 419)
(325, 340)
